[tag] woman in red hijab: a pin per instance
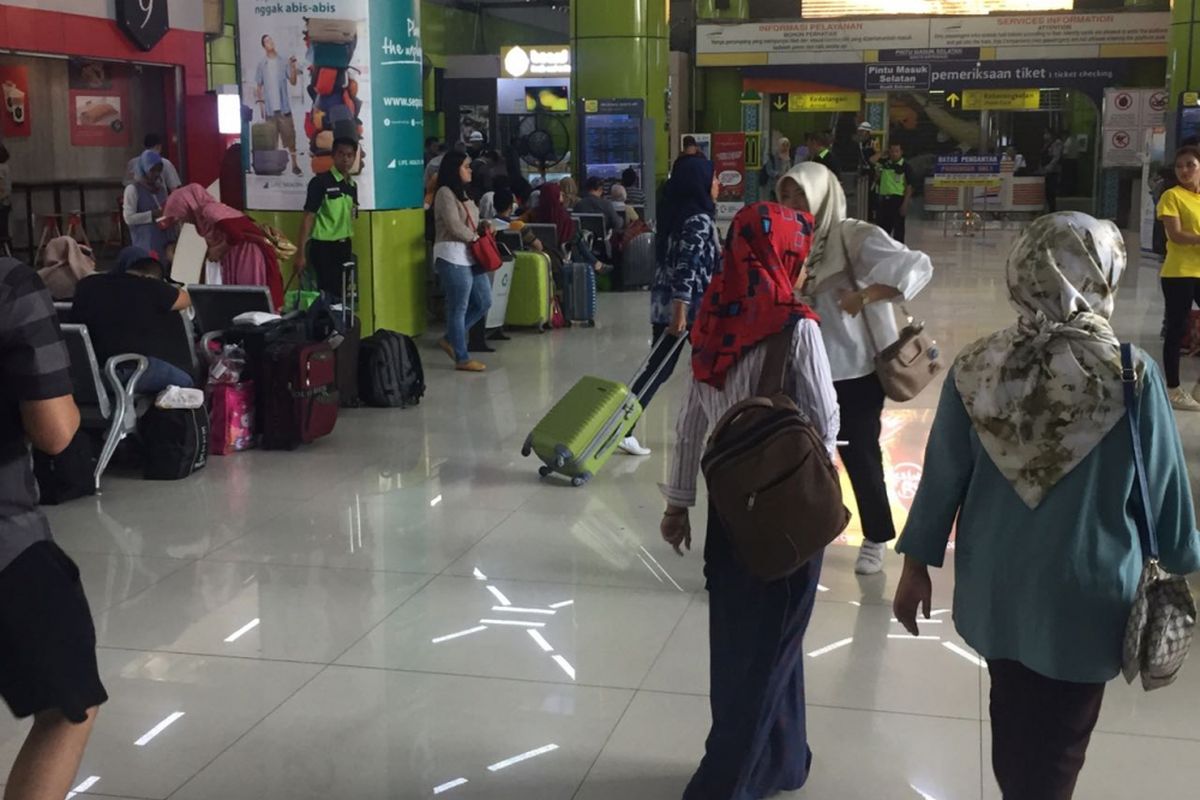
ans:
(758, 744)
(551, 210)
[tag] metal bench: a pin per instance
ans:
(216, 306)
(113, 406)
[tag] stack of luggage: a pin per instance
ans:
(336, 107)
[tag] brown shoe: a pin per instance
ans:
(470, 366)
(448, 349)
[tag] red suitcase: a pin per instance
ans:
(300, 403)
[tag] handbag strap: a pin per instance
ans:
(1146, 531)
(770, 380)
(849, 270)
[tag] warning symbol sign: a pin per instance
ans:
(1123, 101)
(1121, 140)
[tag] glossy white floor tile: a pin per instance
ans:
(304, 614)
(378, 735)
(323, 618)
(552, 632)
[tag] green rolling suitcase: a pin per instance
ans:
(582, 431)
(531, 292)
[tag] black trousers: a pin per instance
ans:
(890, 218)
(1053, 179)
(1040, 731)
(661, 355)
(861, 404)
(329, 260)
(1178, 296)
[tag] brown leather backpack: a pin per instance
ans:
(770, 479)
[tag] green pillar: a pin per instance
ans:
(738, 9)
(620, 50)
(1183, 59)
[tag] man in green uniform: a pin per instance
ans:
(325, 237)
(895, 192)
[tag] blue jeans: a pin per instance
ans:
(159, 375)
(468, 298)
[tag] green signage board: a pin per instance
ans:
(397, 124)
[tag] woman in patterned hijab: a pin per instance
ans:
(1043, 393)
(1030, 461)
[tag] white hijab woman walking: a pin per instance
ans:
(887, 270)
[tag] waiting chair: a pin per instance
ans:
(597, 227)
(216, 306)
(111, 407)
(63, 310)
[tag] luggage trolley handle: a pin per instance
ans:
(675, 347)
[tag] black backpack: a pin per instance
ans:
(68, 475)
(389, 371)
(175, 442)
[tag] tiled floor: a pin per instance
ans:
(331, 623)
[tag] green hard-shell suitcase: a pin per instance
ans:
(531, 291)
(581, 432)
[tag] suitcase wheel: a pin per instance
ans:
(527, 448)
(544, 471)
(580, 480)
(591, 323)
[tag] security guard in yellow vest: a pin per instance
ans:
(895, 192)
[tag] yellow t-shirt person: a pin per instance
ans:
(1183, 260)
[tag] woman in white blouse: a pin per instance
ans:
(883, 270)
(758, 744)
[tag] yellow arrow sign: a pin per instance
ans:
(953, 99)
(1002, 99)
(825, 101)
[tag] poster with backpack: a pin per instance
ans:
(313, 73)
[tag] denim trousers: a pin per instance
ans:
(159, 375)
(468, 298)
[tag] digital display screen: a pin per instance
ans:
(555, 99)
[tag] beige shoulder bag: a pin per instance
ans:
(909, 364)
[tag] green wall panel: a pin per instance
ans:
(449, 31)
(619, 18)
(398, 276)
(722, 107)
(390, 246)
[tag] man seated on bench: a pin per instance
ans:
(133, 310)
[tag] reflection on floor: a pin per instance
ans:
(405, 611)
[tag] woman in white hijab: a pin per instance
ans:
(1031, 456)
(884, 270)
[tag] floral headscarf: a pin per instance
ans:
(1043, 393)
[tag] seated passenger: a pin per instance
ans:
(66, 262)
(551, 211)
(594, 202)
(505, 209)
(133, 310)
(620, 200)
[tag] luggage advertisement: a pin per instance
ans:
(311, 73)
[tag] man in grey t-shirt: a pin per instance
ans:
(48, 665)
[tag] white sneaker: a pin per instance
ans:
(870, 558)
(631, 446)
(1181, 400)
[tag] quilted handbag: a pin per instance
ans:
(1159, 633)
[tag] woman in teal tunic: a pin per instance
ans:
(1030, 454)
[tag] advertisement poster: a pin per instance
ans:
(14, 102)
(475, 120)
(99, 103)
(729, 159)
(340, 69)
